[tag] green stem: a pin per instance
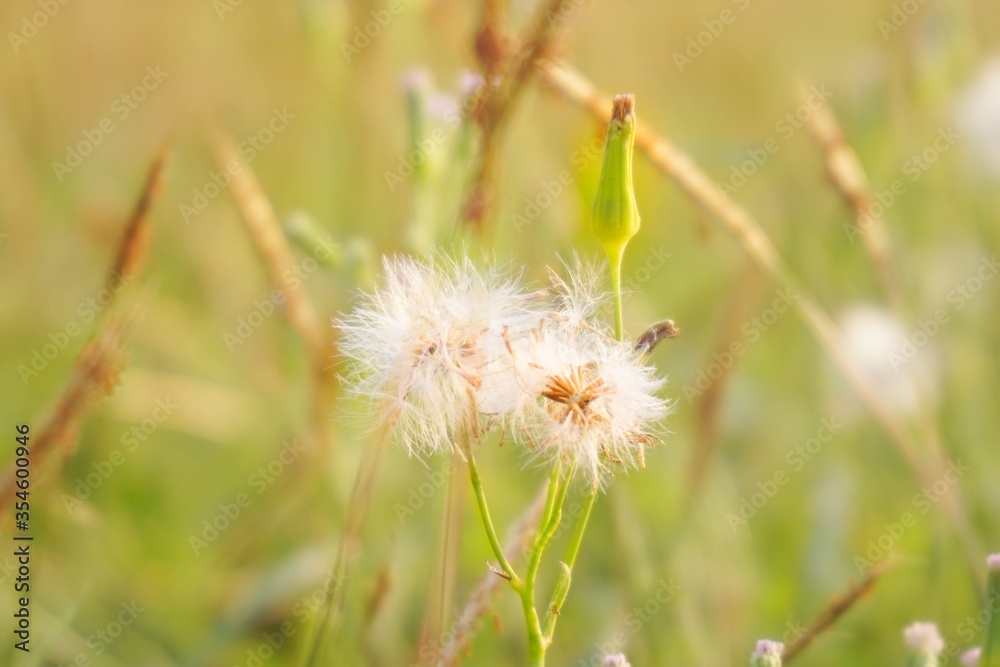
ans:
(537, 642)
(572, 551)
(552, 515)
(615, 260)
(990, 656)
(491, 534)
(550, 521)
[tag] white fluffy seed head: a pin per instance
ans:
(428, 345)
(441, 343)
(580, 297)
(586, 400)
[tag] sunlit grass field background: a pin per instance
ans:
(226, 410)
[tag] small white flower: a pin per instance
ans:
(767, 654)
(923, 637)
(977, 114)
(428, 345)
(616, 660)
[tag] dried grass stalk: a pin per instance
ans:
(835, 610)
(848, 176)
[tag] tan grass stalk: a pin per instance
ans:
(835, 610)
(276, 254)
(134, 246)
(94, 376)
(496, 109)
(747, 296)
(348, 549)
(442, 588)
(102, 359)
(849, 178)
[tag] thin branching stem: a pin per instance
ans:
(572, 551)
(491, 533)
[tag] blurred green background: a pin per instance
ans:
(211, 414)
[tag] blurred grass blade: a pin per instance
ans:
(442, 584)
(100, 362)
(835, 610)
(991, 640)
(846, 173)
(272, 245)
(348, 551)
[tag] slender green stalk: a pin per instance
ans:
(551, 516)
(536, 640)
(491, 533)
(991, 641)
(538, 643)
(615, 261)
(550, 522)
(572, 551)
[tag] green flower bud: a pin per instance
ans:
(615, 217)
